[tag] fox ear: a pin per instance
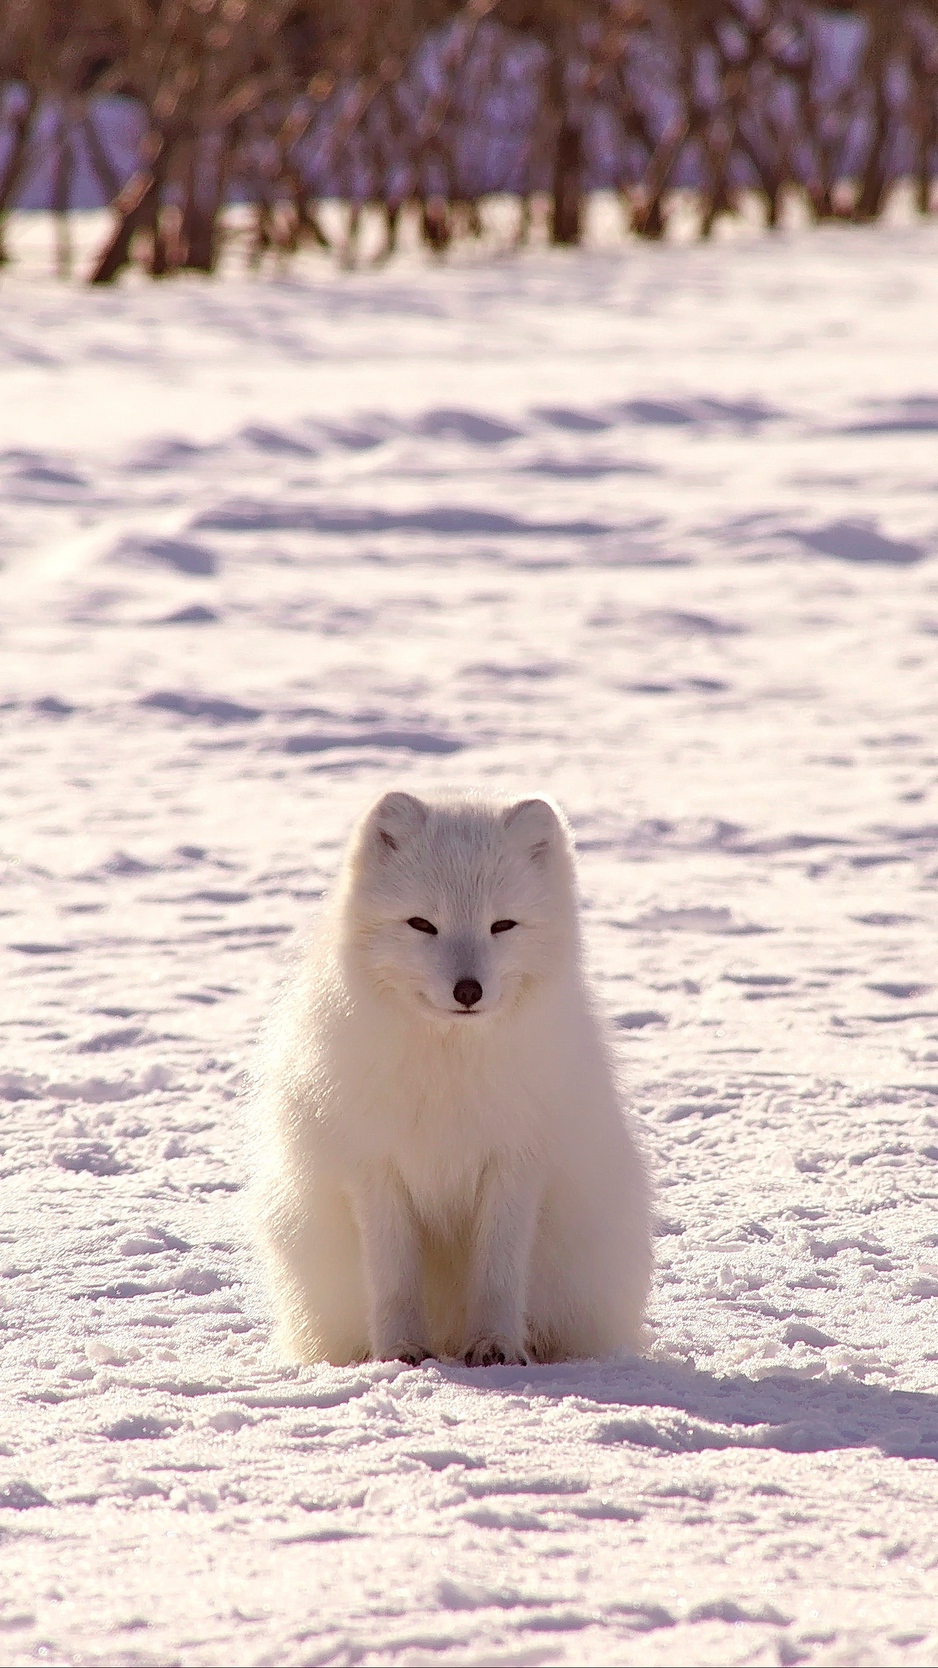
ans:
(394, 817)
(535, 821)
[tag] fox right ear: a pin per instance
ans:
(394, 817)
(535, 821)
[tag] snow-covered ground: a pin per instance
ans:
(656, 529)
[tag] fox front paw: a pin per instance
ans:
(412, 1355)
(495, 1352)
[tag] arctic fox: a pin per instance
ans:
(444, 1168)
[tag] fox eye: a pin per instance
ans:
(420, 925)
(503, 926)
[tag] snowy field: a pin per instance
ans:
(657, 530)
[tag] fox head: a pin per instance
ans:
(460, 909)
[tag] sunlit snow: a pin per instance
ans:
(655, 529)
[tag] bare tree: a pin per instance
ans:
(421, 107)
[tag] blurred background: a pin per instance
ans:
(349, 124)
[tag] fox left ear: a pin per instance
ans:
(537, 823)
(395, 817)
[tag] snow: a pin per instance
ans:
(655, 529)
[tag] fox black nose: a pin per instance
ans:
(468, 992)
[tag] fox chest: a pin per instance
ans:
(440, 1143)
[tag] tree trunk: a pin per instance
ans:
(16, 161)
(262, 237)
(566, 219)
(435, 223)
(769, 171)
(308, 226)
(62, 194)
(392, 220)
(874, 180)
(648, 220)
(135, 207)
(203, 185)
(924, 130)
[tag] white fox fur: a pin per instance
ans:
(443, 1174)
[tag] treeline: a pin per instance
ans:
(432, 107)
